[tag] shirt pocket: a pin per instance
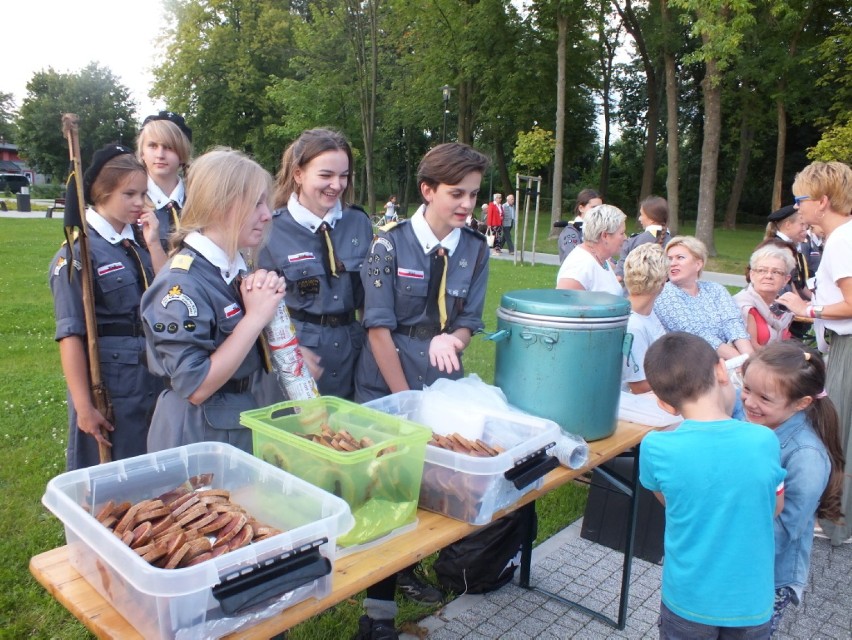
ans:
(120, 291)
(305, 281)
(458, 283)
(222, 411)
(411, 296)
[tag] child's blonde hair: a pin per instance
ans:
(832, 179)
(167, 134)
(223, 189)
(645, 269)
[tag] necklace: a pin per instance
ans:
(603, 263)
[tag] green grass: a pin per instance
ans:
(33, 430)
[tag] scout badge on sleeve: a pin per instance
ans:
(75, 214)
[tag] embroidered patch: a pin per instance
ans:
(308, 286)
(301, 257)
(232, 309)
(409, 273)
(388, 270)
(62, 262)
(172, 328)
(463, 263)
(355, 242)
(182, 261)
(189, 325)
(175, 293)
(377, 284)
(384, 242)
(159, 327)
(110, 268)
(388, 258)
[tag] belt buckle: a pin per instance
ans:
(331, 321)
(422, 333)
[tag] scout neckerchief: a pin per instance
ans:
(439, 250)
(322, 227)
(173, 203)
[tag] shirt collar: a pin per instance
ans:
(160, 199)
(426, 237)
(105, 229)
(216, 256)
(654, 229)
(790, 427)
(309, 220)
(782, 236)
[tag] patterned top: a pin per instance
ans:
(712, 314)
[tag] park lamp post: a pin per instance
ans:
(120, 124)
(445, 92)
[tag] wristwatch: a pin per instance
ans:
(815, 310)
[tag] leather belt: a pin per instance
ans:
(235, 385)
(121, 329)
(325, 320)
(418, 331)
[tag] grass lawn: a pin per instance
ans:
(33, 427)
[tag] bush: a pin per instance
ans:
(47, 191)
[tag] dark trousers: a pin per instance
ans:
(507, 239)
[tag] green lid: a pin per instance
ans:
(565, 303)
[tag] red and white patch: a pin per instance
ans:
(232, 309)
(301, 257)
(410, 273)
(109, 268)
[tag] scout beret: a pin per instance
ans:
(99, 159)
(783, 212)
(173, 118)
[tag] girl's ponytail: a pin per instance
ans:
(823, 417)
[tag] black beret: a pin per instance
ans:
(174, 118)
(99, 159)
(783, 212)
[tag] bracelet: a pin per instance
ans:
(810, 311)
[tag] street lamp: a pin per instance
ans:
(445, 92)
(120, 124)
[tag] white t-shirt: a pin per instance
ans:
(645, 330)
(583, 267)
(390, 210)
(835, 265)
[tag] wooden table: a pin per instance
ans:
(352, 574)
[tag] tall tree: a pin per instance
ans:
(672, 138)
(720, 25)
(94, 94)
(7, 117)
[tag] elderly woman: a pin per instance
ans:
(590, 269)
(769, 271)
(705, 309)
(823, 195)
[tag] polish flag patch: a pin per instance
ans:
(109, 268)
(232, 310)
(300, 257)
(410, 273)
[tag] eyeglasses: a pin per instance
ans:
(797, 200)
(764, 271)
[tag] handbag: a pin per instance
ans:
(489, 237)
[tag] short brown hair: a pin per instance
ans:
(300, 152)
(113, 175)
(449, 163)
(680, 367)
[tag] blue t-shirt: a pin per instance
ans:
(719, 480)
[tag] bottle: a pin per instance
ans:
(287, 362)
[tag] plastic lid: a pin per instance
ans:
(565, 303)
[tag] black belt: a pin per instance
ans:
(236, 385)
(134, 330)
(325, 320)
(419, 331)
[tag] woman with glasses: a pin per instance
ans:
(769, 271)
(696, 306)
(823, 196)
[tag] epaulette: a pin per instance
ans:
(358, 207)
(74, 236)
(182, 262)
(633, 235)
(475, 232)
(390, 226)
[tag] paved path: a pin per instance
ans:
(591, 573)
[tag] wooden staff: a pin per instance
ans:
(100, 395)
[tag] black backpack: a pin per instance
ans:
(483, 561)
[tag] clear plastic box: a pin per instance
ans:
(473, 489)
(182, 603)
(380, 483)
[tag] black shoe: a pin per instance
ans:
(369, 629)
(416, 589)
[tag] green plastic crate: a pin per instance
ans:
(381, 483)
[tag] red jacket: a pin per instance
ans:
(494, 217)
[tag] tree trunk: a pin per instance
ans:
(746, 139)
(672, 141)
(502, 168)
(559, 155)
(780, 147)
(709, 156)
(649, 168)
(465, 130)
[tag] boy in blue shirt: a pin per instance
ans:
(721, 482)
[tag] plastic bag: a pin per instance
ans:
(448, 406)
(643, 409)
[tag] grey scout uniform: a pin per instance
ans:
(118, 287)
(396, 281)
(321, 306)
(569, 238)
(646, 237)
(166, 208)
(188, 313)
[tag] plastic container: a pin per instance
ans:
(473, 489)
(560, 355)
(200, 601)
(380, 483)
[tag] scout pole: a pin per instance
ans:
(100, 395)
